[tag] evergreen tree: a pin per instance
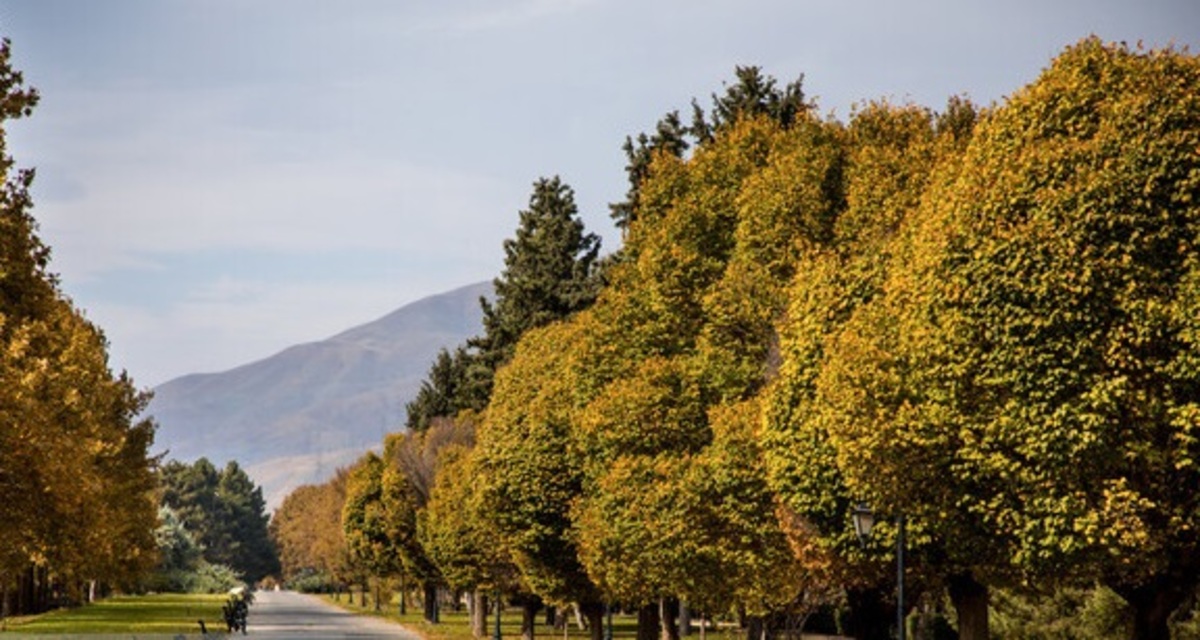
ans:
(442, 391)
(669, 138)
(252, 552)
(753, 94)
(225, 512)
(549, 274)
(551, 271)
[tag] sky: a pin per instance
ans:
(221, 179)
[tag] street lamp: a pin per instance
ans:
(864, 520)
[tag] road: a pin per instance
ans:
(286, 614)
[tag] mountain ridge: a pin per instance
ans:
(299, 414)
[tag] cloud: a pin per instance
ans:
(194, 181)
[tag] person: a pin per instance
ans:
(236, 608)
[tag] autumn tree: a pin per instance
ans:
(307, 530)
(529, 477)
(373, 534)
(76, 473)
(681, 333)
(890, 152)
(1059, 270)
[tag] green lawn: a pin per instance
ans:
(161, 613)
(456, 626)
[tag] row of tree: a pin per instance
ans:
(76, 477)
(984, 321)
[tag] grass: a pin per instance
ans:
(457, 626)
(167, 613)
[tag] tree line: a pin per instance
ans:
(982, 320)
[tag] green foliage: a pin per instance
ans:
(177, 549)
(530, 479)
(455, 532)
(443, 392)
(372, 535)
(225, 512)
(1067, 614)
(550, 272)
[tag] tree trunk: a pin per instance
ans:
(666, 616)
(869, 617)
(648, 622)
(685, 619)
(594, 613)
(551, 616)
(431, 603)
(378, 594)
(1154, 602)
(755, 628)
(970, 600)
(528, 616)
(478, 612)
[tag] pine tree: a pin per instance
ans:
(548, 274)
(442, 392)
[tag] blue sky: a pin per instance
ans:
(221, 179)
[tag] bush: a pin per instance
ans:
(204, 578)
(311, 582)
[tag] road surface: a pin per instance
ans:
(286, 614)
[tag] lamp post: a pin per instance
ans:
(864, 520)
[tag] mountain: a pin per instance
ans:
(297, 416)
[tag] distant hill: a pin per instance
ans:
(295, 417)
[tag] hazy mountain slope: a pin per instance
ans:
(298, 415)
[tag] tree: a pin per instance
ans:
(669, 139)
(443, 392)
(890, 155)
(529, 476)
(252, 553)
(76, 473)
(373, 536)
(753, 95)
(1033, 356)
(225, 511)
(307, 530)
(549, 274)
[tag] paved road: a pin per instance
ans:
(286, 614)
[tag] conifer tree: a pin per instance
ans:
(548, 275)
(442, 392)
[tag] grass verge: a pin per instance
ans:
(457, 626)
(167, 613)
